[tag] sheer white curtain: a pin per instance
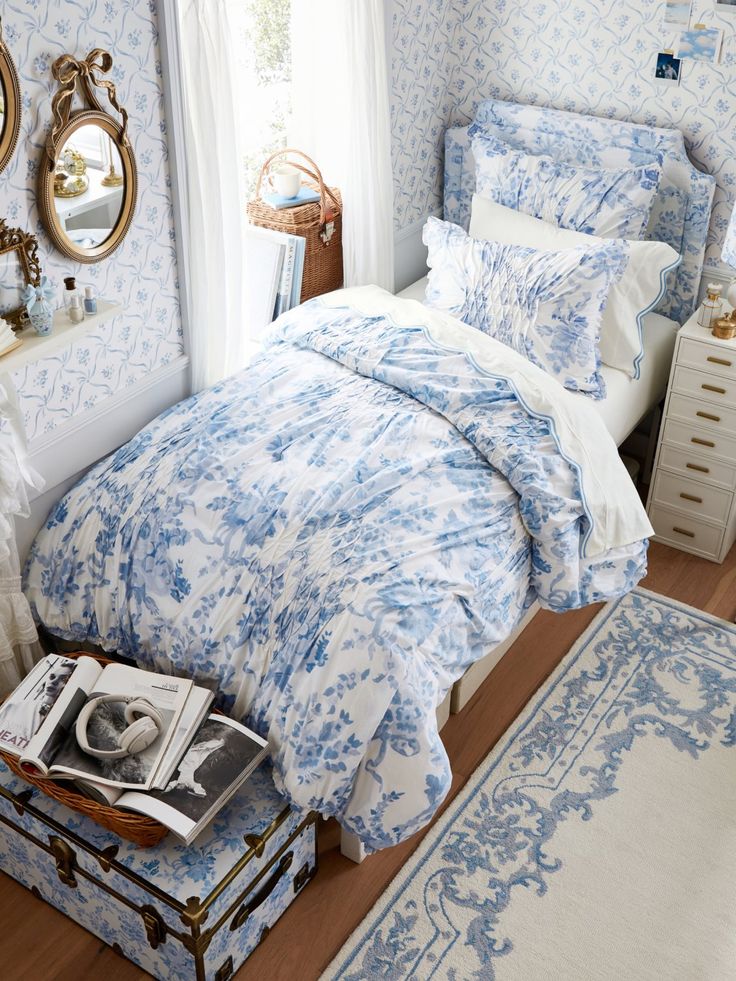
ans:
(17, 630)
(341, 118)
(213, 252)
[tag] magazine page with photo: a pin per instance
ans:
(220, 758)
(28, 708)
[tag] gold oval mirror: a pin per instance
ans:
(87, 183)
(9, 104)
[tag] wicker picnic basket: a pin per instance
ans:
(142, 831)
(319, 223)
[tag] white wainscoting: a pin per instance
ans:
(411, 254)
(70, 450)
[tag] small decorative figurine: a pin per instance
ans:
(712, 307)
(37, 301)
(90, 300)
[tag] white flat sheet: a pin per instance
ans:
(627, 400)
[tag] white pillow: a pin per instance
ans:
(636, 294)
(547, 306)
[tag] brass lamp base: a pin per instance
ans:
(111, 179)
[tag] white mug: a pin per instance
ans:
(286, 181)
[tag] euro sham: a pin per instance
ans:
(546, 305)
(639, 290)
(606, 203)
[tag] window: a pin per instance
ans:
(264, 66)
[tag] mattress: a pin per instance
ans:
(627, 399)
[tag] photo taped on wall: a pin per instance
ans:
(701, 44)
(668, 69)
(677, 13)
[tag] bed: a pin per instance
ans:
(337, 536)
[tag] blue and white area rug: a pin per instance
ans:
(597, 842)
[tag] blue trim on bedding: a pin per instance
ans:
(664, 273)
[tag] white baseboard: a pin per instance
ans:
(411, 253)
(63, 455)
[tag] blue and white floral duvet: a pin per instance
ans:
(333, 536)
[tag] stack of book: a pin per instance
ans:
(274, 266)
(194, 766)
(278, 202)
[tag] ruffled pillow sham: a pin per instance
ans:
(547, 306)
(606, 203)
(632, 297)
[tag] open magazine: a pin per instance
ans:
(37, 722)
(220, 758)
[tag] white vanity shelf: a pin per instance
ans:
(34, 348)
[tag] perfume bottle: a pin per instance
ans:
(712, 308)
(76, 313)
(90, 300)
(70, 291)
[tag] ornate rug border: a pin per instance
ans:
(374, 918)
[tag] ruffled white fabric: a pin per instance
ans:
(18, 647)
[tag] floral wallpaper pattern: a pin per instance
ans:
(595, 56)
(142, 273)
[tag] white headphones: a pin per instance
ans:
(144, 727)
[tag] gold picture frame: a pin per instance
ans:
(81, 78)
(26, 246)
(11, 103)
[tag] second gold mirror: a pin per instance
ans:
(87, 182)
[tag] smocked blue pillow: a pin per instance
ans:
(547, 306)
(607, 203)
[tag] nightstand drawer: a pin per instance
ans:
(701, 414)
(707, 357)
(692, 497)
(695, 440)
(703, 385)
(688, 464)
(684, 532)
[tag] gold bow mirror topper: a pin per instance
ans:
(87, 186)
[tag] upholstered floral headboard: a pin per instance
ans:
(681, 213)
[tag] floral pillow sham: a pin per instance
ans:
(606, 203)
(632, 297)
(547, 306)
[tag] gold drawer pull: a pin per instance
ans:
(707, 415)
(726, 364)
(713, 388)
(703, 442)
(681, 531)
(699, 469)
(691, 497)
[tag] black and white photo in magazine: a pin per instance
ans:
(217, 757)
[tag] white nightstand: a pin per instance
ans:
(691, 499)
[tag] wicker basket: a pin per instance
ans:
(142, 831)
(320, 224)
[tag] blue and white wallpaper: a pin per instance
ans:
(595, 56)
(142, 273)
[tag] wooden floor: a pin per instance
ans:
(39, 944)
